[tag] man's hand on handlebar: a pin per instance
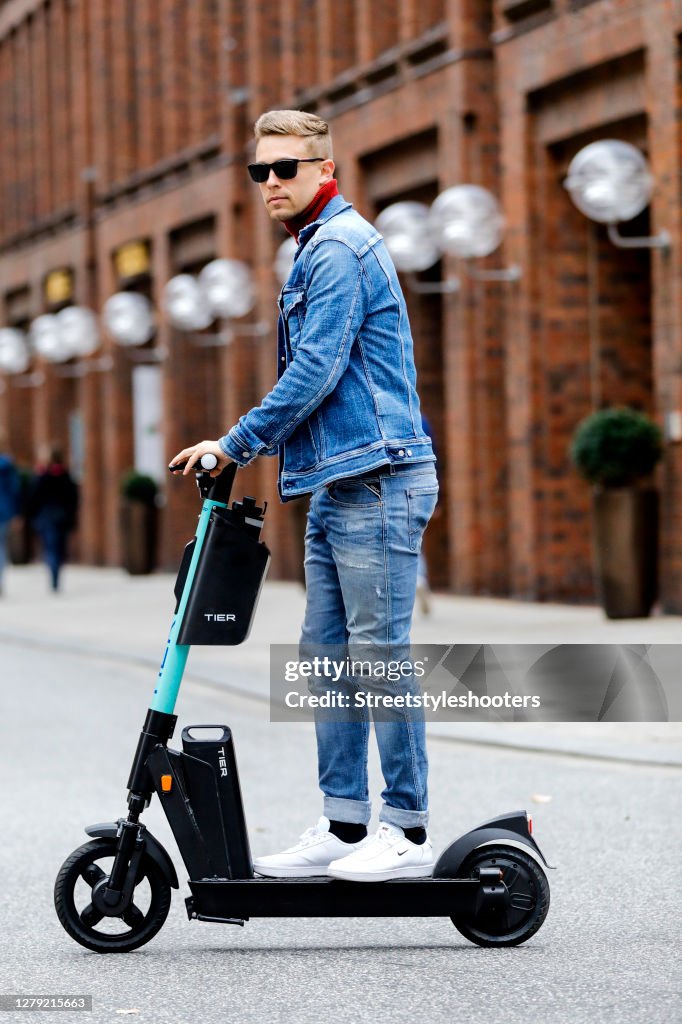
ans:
(193, 454)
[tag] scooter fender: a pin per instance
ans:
(487, 834)
(109, 830)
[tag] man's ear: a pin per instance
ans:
(327, 169)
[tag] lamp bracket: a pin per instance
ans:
(448, 287)
(146, 355)
(660, 241)
(512, 273)
(227, 335)
(29, 380)
(85, 366)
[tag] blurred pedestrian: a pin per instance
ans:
(54, 510)
(10, 490)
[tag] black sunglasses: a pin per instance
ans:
(286, 169)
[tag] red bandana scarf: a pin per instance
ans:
(313, 210)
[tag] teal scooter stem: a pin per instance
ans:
(160, 721)
(175, 656)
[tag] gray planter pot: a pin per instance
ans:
(21, 543)
(139, 531)
(626, 549)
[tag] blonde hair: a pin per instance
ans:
(297, 122)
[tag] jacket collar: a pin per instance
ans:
(336, 205)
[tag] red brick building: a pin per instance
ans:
(129, 121)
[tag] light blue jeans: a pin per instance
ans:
(362, 545)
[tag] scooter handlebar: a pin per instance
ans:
(207, 462)
(217, 488)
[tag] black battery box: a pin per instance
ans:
(228, 578)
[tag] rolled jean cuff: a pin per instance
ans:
(355, 812)
(402, 818)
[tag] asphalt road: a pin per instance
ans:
(609, 950)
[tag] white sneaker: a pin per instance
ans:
(386, 855)
(312, 855)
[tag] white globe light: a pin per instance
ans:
(609, 181)
(185, 304)
(284, 260)
(228, 288)
(405, 228)
(46, 339)
(14, 356)
(129, 318)
(466, 221)
(78, 330)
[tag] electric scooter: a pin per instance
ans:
(113, 894)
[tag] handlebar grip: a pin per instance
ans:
(207, 462)
(218, 488)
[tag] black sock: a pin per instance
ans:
(347, 831)
(415, 835)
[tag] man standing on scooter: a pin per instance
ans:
(344, 419)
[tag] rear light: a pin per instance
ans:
(530, 825)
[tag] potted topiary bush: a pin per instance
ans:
(616, 450)
(139, 522)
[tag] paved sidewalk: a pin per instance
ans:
(106, 612)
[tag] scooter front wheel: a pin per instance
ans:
(520, 912)
(73, 891)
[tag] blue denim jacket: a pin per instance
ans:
(345, 401)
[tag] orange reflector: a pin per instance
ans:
(530, 824)
(166, 783)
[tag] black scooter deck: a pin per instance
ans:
(231, 900)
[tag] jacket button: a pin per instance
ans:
(409, 451)
(246, 454)
(282, 359)
(401, 452)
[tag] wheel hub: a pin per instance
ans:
(494, 895)
(105, 901)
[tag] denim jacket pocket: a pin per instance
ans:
(292, 305)
(421, 502)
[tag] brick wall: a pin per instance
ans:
(131, 119)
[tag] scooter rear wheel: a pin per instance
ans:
(80, 872)
(528, 898)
